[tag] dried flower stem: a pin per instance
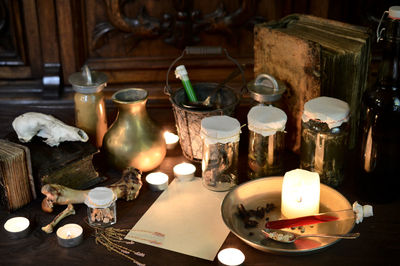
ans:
(109, 237)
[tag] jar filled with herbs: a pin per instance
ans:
(102, 211)
(324, 138)
(266, 141)
(220, 138)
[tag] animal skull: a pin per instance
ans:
(46, 126)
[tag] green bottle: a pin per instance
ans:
(181, 73)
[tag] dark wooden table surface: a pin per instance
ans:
(377, 245)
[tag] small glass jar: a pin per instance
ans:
(220, 138)
(324, 138)
(266, 141)
(90, 110)
(102, 210)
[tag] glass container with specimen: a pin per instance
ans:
(266, 141)
(324, 138)
(220, 137)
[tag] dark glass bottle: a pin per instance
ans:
(379, 177)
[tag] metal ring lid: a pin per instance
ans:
(266, 89)
(88, 81)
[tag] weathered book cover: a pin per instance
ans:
(70, 164)
(314, 56)
(16, 183)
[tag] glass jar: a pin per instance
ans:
(220, 139)
(90, 110)
(324, 138)
(102, 211)
(266, 141)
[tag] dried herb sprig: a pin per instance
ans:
(110, 237)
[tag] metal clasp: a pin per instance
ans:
(378, 30)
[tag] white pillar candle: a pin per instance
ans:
(171, 139)
(184, 171)
(69, 235)
(300, 193)
(231, 257)
(157, 181)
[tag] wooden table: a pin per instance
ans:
(377, 245)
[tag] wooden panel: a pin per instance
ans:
(68, 37)
(135, 41)
(32, 38)
(131, 52)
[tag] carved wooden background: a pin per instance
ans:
(134, 41)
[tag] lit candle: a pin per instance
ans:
(184, 171)
(170, 139)
(300, 193)
(17, 227)
(231, 257)
(157, 181)
(69, 235)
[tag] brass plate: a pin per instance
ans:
(261, 191)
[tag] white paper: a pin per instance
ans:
(189, 217)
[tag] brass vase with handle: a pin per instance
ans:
(133, 139)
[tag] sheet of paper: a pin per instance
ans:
(186, 218)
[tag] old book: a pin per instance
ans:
(313, 57)
(70, 164)
(17, 186)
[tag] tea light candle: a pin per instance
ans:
(170, 139)
(157, 181)
(69, 235)
(300, 193)
(231, 257)
(184, 171)
(17, 227)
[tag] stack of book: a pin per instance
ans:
(17, 185)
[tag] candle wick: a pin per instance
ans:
(299, 199)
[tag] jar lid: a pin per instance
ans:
(220, 129)
(266, 89)
(88, 81)
(328, 110)
(266, 120)
(394, 12)
(100, 197)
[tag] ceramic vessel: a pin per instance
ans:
(133, 139)
(90, 110)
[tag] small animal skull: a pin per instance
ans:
(46, 126)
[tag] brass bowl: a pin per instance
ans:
(261, 191)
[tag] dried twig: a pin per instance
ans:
(110, 237)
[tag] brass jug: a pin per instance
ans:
(133, 139)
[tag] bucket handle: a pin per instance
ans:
(205, 50)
